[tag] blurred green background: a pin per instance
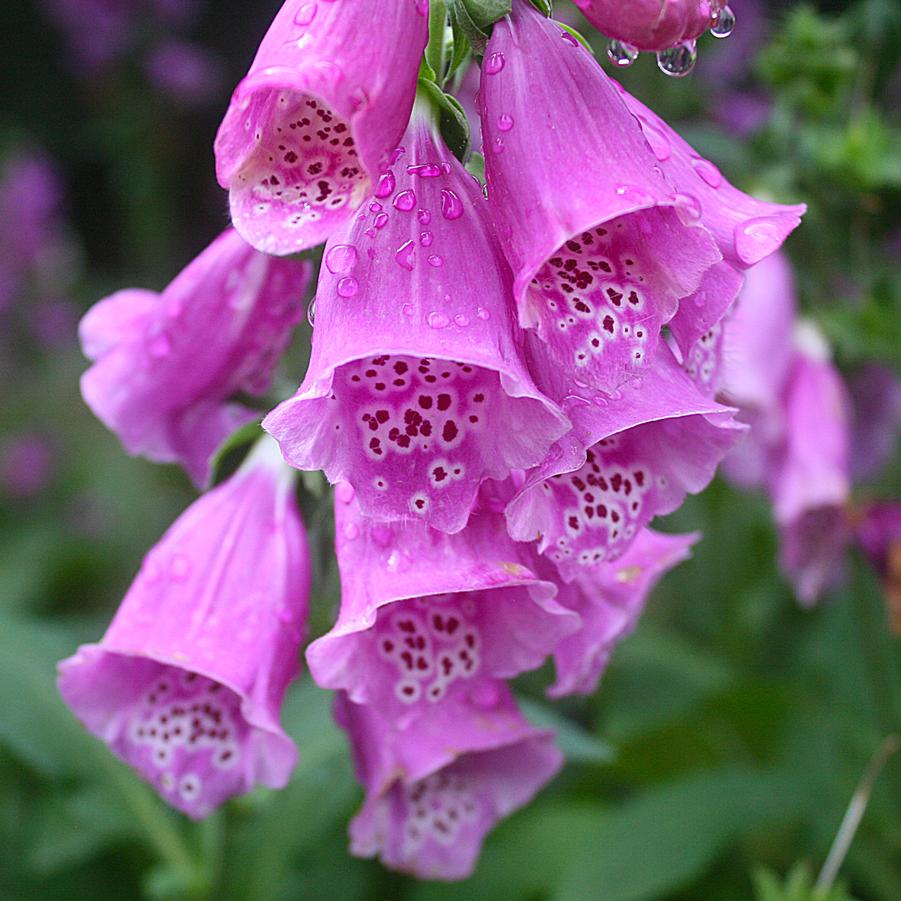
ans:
(730, 731)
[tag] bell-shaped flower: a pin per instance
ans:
(425, 615)
(187, 684)
(629, 458)
(166, 365)
(316, 118)
(416, 390)
(434, 791)
(609, 600)
(601, 245)
(651, 24)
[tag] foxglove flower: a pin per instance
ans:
(187, 683)
(165, 365)
(425, 615)
(879, 535)
(313, 123)
(651, 24)
(601, 246)
(432, 796)
(609, 601)
(626, 461)
(416, 390)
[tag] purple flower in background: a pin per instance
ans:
(435, 789)
(97, 31)
(609, 600)
(426, 616)
(313, 123)
(416, 390)
(26, 465)
(879, 535)
(626, 461)
(184, 72)
(165, 365)
(601, 245)
(876, 400)
(187, 684)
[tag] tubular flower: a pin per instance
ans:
(313, 123)
(434, 792)
(426, 615)
(166, 364)
(624, 463)
(609, 601)
(600, 260)
(187, 683)
(416, 390)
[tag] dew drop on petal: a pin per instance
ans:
(344, 492)
(348, 286)
(341, 258)
(351, 531)
(570, 39)
(386, 185)
(404, 255)
(306, 14)
(426, 238)
(678, 61)
(622, 55)
(405, 201)
(723, 23)
(657, 140)
(435, 261)
(495, 63)
(707, 172)
(757, 238)
(688, 207)
(483, 314)
(461, 319)
(311, 313)
(407, 309)
(424, 217)
(505, 122)
(451, 207)
(438, 320)
(179, 568)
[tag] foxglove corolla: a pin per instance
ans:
(600, 244)
(432, 798)
(425, 615)
(313, 123)
(416, 390)
(165, 365)
(187, 684)
(609, 600)
(626, 461)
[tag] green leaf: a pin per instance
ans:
(451, 119)
(577, 744)
(543, 6)
(228, 455)
(435, 49)
(484, 13)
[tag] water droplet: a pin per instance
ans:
(152, 572)
(375, 207)
(657, 140)
(381, 534)
(386, 185)
(505, 122)
(435, 261)
(407, 309)
(634, 194)
(348, 286)
(311, 313)
(398, 153)
(305, 14)
(424, 217)
(723, 23)
(688, 207)
(438, 320)
(425, 170)
(405, 201)
(451, 208)
(495, 63)
(758, 238)
(381, 220)
(483, 314)
(622, 55)
(498, 145)
(340, 258)
(179, 568)
(404, 255)
(461, 319)
(344, 492)
(678, 61)
(160, 346)
(570, 39)
(351, 531)
(426, 239)
(707, 172)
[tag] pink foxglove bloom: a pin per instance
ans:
(626, 461)
(425, 615)
(610, 600)
(187, 684)
(651, 24)
(165, 365)
(432, 796)
(601, 246)
(416, 390)
(313, 123)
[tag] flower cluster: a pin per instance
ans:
(506, 385)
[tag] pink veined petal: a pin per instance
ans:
(610, 599)
(312, 125)
(651, 24)
(425, 615)
(187, 684)
(166, 365)
(416, 390)
(629, 458)
(600, 244)
(434, 791)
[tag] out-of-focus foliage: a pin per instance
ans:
(726, 741)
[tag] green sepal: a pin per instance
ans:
(434, 59)
(543, 6)
(460, 49)
(228, 456)
(451, 119)
(475, 18)
(577, 35)
(475, 165)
